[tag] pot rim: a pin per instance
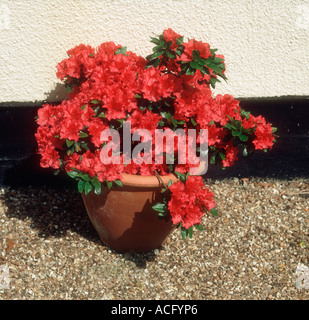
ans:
(133, 180)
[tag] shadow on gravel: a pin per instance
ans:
(52, 212)
(54, 206)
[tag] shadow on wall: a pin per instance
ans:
(56, 95)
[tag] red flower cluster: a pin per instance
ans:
(188, 201)
(170, 89)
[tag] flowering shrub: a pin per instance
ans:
(169, 89)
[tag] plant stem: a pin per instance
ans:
(158, 176)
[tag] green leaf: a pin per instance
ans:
(222, 155)
(213, 82)
(229, 126)
(245, 114)
(178, 52)
(195, 65)
(170, 183)
(69, 143)
(199, 227)
(161, 214)
(97, 186)
(160, 207)
(155, 40)
(121, 50)
(193, 122)
(190, 71)
(83, 134)
(195, 54)
(214, 212)
(216, 68)
(109, 184)
(84, 176)
(97, 109)
(213, 159)
(80, 186)
(236, 133)
(101, 115)
(153, 62)
(205, 70)
(119, 183)
(184, 233)
(87, 187)
(179, 121)
(156, 48)
(179, 41)
(213, 51)
(155, 55)
(83, 107)
(243, 137)
(182, 177)
(72, 174)
(166, 115)
(95, 101)
(217, 60)
(190, 232)
(238, 125)
(170, 54)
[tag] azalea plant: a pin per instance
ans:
(170, 89)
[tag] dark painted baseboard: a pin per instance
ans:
(19, 163)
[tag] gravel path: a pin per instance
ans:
(250, 251)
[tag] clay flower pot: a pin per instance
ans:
(123, 217)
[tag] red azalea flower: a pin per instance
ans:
(202, 47)
(156, 85)
(171, 35)
(50, 158)
(187, 201)
(144, 120)
(96, 126)
(228, 106)
(230, 155)
(263, 135)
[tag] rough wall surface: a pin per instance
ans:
(265, 42)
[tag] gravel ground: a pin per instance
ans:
(250, 251)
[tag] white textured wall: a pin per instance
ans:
(265, 42)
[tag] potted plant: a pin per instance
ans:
(137, 133)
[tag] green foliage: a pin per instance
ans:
(87, 184)
(189, 232)
(181, 176)
(121, 50)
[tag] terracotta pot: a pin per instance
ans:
(123, 216)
